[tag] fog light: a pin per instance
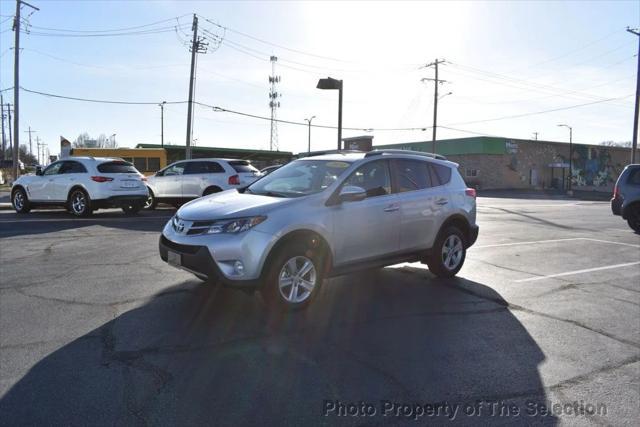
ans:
(238, 268)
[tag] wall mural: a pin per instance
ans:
(592, 166)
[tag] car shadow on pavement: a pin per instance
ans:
(197, 354)
(50, 221)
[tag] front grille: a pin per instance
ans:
(188, 249)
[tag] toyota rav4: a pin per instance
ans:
(325, 216)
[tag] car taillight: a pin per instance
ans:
(470, 192)
(616, 192)
(143, 178)
(101, 179)
(234, 180)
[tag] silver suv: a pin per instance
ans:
(325, 216)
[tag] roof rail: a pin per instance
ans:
(409, 152)
(321, 153)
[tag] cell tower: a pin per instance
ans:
(274, 104)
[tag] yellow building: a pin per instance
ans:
(146, 160)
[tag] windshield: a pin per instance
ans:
(299, 178)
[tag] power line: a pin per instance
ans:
(109, 30)
(515, 116)
(98, 101)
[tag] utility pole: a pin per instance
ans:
(197, 46)
(634, 144)
(9, 124)
(16, 86)
(2, 115)
(162, 123)
(535, 136)
(30, 145)
(309, 121)
(436, 82)
(38, 147)
(274, 104)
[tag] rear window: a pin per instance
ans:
(241, 166)
(116, 167)
(441, 175)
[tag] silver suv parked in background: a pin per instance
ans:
(626, 196)
(189, 179)
(325, 216)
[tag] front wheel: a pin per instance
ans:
(151, 202)
(294, 278)
(448, 253)
(20, 201)
(79, 203)
(633, 217)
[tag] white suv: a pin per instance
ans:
(82, 184)
(189, 179)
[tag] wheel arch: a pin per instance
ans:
(214, 188)
(77, 187)
(459, 221)
(315, 241)
(17, 187)
(626, 210)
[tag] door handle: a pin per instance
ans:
(442, 202)
(392, 208)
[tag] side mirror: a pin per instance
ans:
(352, 193)
(39, 170)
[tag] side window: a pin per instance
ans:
(72, 167)
(213, 167)
(373, 177)
(440, 175)
(634, 177)
(177, 169)
(411, 175)
(53, 169)
(202, 167)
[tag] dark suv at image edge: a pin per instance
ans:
(626, 196)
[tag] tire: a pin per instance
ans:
(20, 201)
(151, 202)
(211, 190)
(132, 209)
(633, 217)
(285, 289)
(79, 203)
(448, 253)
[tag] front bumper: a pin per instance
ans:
(616, 205)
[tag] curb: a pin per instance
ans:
(6, 206)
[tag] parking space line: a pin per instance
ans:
(96, 219)
(526, 243)
(535, 242)
(570, 273)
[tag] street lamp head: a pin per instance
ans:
(329, 83)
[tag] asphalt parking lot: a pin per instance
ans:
(541, 325)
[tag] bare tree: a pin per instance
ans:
(616, 143)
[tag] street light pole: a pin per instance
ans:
(162, 123)
(330, 83)
(309, 122)
(634, 143)
(570, 186)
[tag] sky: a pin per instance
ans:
(512, 68)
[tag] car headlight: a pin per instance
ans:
(236, 225)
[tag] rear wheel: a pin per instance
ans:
(132, 209)
(633, 217)
(79, 203)
(294, 278)
(448, 253)
(20, 201)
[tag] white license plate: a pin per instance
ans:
(128, 184)
(174, 259)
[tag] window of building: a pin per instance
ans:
(140, 163)
(471, 173)
(153, 164)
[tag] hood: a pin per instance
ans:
(229, 204)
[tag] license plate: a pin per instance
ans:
(129, 184)
(174, 259)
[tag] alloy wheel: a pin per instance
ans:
(78, 202)
(18, 200)
(297, 279)
(452, 252)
